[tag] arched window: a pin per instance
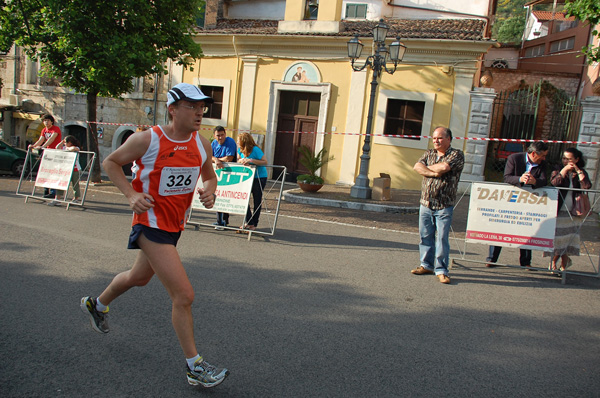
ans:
(500, 64)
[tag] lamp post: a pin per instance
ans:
(378, 63)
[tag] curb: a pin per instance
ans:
(290, 196)
(102, 183)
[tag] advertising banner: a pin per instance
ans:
(505, 215)
(55, 169)
(234, 184)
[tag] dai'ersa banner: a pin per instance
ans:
(505, 215)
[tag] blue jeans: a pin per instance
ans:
(435, 250)
(223, 219)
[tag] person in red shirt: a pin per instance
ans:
(49, 138)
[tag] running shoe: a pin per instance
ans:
(205, 374)
(99, 320)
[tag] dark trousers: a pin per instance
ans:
(223, 218)
(494, 253)
(258, 185)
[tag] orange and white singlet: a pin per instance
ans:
(168, 171)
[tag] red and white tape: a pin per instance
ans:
(377, 135)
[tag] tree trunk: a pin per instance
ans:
(92, 136)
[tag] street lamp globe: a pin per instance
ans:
(397, 50)
(354, 48)
(380, 32)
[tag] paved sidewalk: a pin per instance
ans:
(402, 201)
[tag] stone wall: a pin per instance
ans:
(480, 117)
(590, 132)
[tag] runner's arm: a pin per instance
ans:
(134, 148)
(209, 178)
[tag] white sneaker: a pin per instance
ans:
(205, 374)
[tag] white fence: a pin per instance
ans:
(269, 206)
(533, 229)
(53, 170)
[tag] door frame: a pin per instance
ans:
(274, 95)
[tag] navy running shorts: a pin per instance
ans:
(153, 234)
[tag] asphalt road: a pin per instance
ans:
(319, 309)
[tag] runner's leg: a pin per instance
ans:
(139, 275)
(165, 262)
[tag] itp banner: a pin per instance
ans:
(505, 215)
(234, 184)
(55, 169)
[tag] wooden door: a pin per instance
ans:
(296, 126)
(305, 134)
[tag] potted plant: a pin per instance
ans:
(311, 182)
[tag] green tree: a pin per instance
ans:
(511, 30)
(97, 47)
(587, 11)
(510, 21)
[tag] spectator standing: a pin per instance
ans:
(249, 154)
(571, 174)
(441, 168)
(525, 168)
(224, 150)
(50, 135)
(170, 160)
(49, 138)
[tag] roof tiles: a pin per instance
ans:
(547, 16)
(441, 29)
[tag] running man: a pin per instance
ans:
(169, 159)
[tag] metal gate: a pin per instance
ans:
(565, 119)
(514, 116)
(519, 115)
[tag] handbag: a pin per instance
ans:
(581, 205)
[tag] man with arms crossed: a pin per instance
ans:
(169, 159)
(441, 168)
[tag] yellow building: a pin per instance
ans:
(280, 69)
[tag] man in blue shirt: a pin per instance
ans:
(224, 150)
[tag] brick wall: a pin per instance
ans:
(511, 79)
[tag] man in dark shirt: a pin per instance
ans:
(525, 168)
(441, 168)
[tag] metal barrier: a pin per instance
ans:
(595, 266)
(270, 204)
(27, 183)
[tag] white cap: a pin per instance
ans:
(187, 92)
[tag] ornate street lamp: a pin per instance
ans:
(378, 62)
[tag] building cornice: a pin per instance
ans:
(420, 51)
